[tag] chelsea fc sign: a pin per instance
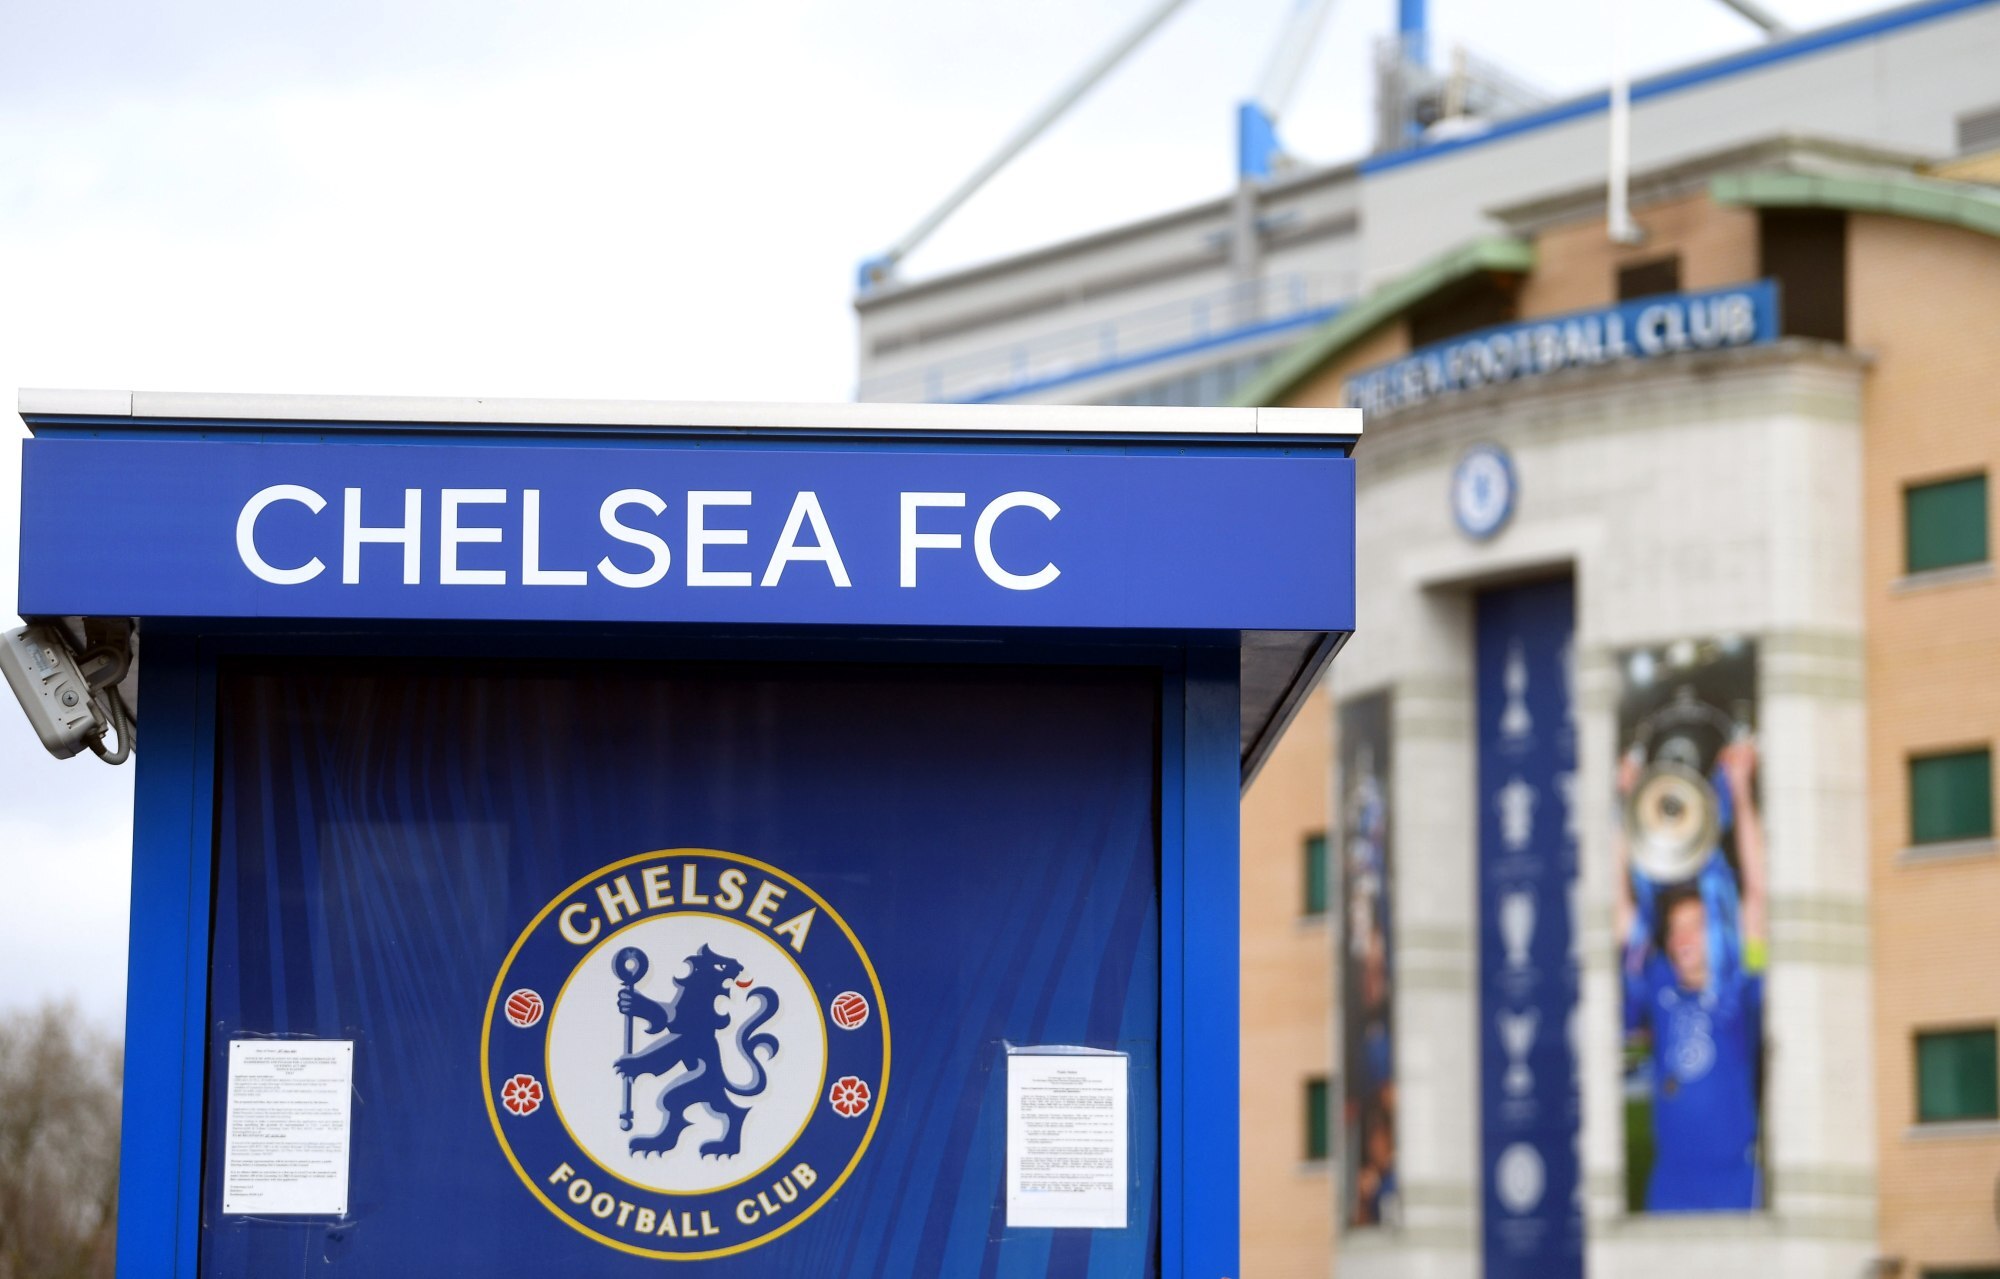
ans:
(685, 1054)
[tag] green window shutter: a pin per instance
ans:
(1316, 869)
(1944, 524)
(1951, 797)
(1316, 1119)
(1956, 1075)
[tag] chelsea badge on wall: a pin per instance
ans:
(1482, 491)
(685, 1054)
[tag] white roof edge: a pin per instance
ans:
(82, 403)
(1345, 422)
(1038, 418)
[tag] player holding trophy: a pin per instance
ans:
(1693, 930)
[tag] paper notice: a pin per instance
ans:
(286, 1145)
(1066, 1139)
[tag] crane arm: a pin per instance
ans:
(1758, 15)
(879, 268)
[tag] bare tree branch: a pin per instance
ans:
(60, 1083)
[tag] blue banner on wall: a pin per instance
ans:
(711, 535)
(646, 964)
(1371, 1189)
(1642, 329)
(1529, 1103)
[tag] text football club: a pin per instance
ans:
(712, 1044)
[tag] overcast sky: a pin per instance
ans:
(588, 198)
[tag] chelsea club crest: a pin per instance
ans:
(685, 1054)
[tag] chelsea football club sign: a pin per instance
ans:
(1642, 329)
(685, 1054)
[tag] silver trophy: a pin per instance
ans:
(1673, 817)
(1673, 820)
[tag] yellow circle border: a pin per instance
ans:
(493, 1001)
(548, 1062)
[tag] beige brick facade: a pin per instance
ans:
(1287, 1007)
(1925, 302)
(1923, 307)
(1576, 264)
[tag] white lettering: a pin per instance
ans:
(767, 899)
(659, 886)
(409, 533)
(700, 537)
(914, 541)
(691, 894)
(1581, 342)
(982, 541)
(607, 516)
(532, 572)
(729, 889)
(574, 935)
(797, 927)
(246, 534)
(1615, 347)
(1740, 320)
(618, 899)
(1650, 330)
(806, 507)
(451, 536)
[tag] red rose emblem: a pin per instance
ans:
(849, 1097)
(522, 1094)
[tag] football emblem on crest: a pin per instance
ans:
(850, 1010)
(524, 1008)
(698, 1103)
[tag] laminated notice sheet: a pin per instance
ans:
(1067, 1147)
(288, 1126)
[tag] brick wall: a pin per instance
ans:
(1925, 301)
(1576, 264)
(1287, 1007)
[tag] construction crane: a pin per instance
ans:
(1258, 150)
(1259, 153)
(878, 269)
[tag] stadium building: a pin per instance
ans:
(1625, 905)
(1665, 758)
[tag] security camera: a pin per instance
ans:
(71, 699)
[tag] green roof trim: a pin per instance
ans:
(1956, 204)
(1313, 351)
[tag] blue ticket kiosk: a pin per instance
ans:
(586, 838)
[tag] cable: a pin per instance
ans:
(119, 720)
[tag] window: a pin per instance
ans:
(1316, 1119)
(1944, 524)
(1951, 797)
(1315, 878)
(1645, 279)
(1979, 131)
(1475, 304)
(1805, 251)
(1956, 1076)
